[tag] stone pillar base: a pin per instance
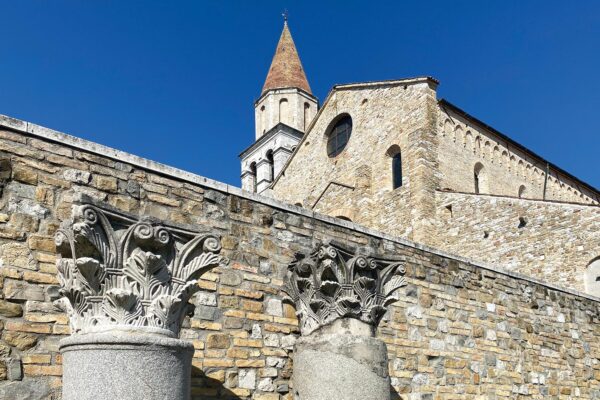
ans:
(337, 363)
(125, 366)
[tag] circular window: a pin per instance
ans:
(339, 135)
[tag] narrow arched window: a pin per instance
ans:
(306, 115)
(522, 191)
(253, 174)
(283, 111)
(478, 178)
(397, 170)
(395, 155)
(271, 165)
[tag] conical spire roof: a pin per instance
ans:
(286, 69)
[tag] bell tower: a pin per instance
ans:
(282, 113)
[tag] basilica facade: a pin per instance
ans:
(391, 156)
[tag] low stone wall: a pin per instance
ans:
(457, 331)
(550, 241)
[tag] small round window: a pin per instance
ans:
(339, 135)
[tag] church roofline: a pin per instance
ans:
(30, 129)
(553, 167)
(270, 133)
(388, 82)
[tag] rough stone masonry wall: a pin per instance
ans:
(383, 115)
(458, 330)
(507, 168)
(551, 241)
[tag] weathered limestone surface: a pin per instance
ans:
(536, 238)
(458, 330)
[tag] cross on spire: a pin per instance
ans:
(285, 15)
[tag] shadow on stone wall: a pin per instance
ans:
(205, 387)
(395, 396)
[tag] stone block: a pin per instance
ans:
(20, 340)
(218, 341)
(274, 307)
(76, 176)
(14, 369)
(10, 310)
(247, 378)
(19, 290)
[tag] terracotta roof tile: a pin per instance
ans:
(286, 68)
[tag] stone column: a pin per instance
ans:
(340, 298)
(263, 175)
(280, 157)
(248, 181)
(126, 284)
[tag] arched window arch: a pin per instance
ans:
(592, 277)
(271, 165)
(522, 191)
(395, 154)
(479, 178)
(306, 115)
(253, 174)
(283, 111)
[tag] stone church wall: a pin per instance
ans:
(383, 115)
(506, 168)
(550, 241)
(458, 330)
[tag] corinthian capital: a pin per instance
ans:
(332, 283)
(117, 272)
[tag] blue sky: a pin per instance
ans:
(175, 81)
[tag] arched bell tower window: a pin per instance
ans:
(338, 135)
(271, 165)
(263, 119)
(306, 115)
(283, 111)
(253, 174)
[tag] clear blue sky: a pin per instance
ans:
(175, 81)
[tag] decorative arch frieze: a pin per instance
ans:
(332, 283)
(116, 272)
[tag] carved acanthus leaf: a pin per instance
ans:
(118, 272)
(332, 283)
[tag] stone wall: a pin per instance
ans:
(507, 169)
(458, 330)
(551, 241)
(384, 115)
